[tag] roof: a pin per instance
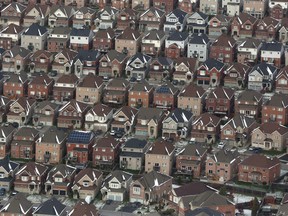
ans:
(67, 10)
(271, 127)
(199, 39)
(12, 29)
(154, 34)
(224, 156)
(91, 81)
(192, 90)
(224, 41)
(178, 36)
(153, 179)
(135, 143)
(156, 11)
(129, 34)
(241, 121)
(202, 15)
(161, 147)
(33, 169)
(4, 101)
(17, 50)
(106, 142)
(197, 150)
(120, 175)
(61, 30)
(64, 169)
(269, 21)
(69, 54)
(129, 112)
(191, 63)
(241, 69)
(43, 104)
(207, 119)
(221, 92)
(100, 110)
(250, 95)
(85, 32)
(26, 131)
(83, 208)
(180, 14)
(8, 165)
(203, 212)
(142, 57)
(113, 54)
(35, 30)
(272, 46)
(83, 137)
(68, 79)
(19, 8)
(43, 79)
(118, 82)
(52, 135)
(243, 17)
(142, 86)
(5, 131)
(93, 174)
(50, 207)
(250, 43)
(105, 33)
(278, 100)
(264, 69)
(149, 113)
(86, 10)
(87, 55)
(221, 18)
(180, 115)
(37, 53)
(41, 8)
(166, 88)
(261, 161)
(18, 204)
(213, 63)
(165, 61)
(78, 106)
(192, 188)
(109, 9)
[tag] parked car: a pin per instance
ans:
(255, 150)
(221, 145)
(2, 191)
(108, 202)
(112, 133)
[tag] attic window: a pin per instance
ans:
(86, 183)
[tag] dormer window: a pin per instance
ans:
(1, 174)
(58, 179)
(137, 64)
(24, 178)
(156, 67)
(104, 64)
(248, 27)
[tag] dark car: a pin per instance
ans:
(119, 135)
(2, 191)
(170, 139)
(255, 150)
(108, 202)
(175, 82)
(182, 82)
(53, 73)
(133, 79)
(15, 124)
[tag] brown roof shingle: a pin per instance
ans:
(258, 160)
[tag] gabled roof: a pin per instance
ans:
(113, 54)
(61, 30)
(131, 12)
(278, 100)
(272, 46)
(178, 36)
(19, 8)
(199, 39)
(129, 112)
(250, 95)
(5, 131)
(284, 22)
(192, 188)
(261, 161)
(271, 127)
(100, 110)
(225, 156)
(204, 211)
(150, 113)
(68, 79)
(251, 43)
(8, 165)
(80, 32)
(52, 135)
(241, 121)
(83, 137)
(64, 169)
(24, 102)
(78, 106)
(12, 29)
(109, 9)
(283, 72)
(87, 55)
(225, 41)
(93, 174)
(91, 81)
(244, 17)
(106, 142)
(17, 50)
(196, 150)
(43, 79)
(120, 175)
(27, 131)
(221, 92)
(154, 34)
(221, 18)
(153, 179)
(118, 82)
(129, 34)
(4, 101)
(166, 88)
(142, 57)
(165, 61)
(45, 103)
(241, 69)
(180, 115)
(35, 30)
(41, 8)
(267, 21)
(264, 69)
(33, 169)
(86, 10)
(202, 15)
(161, 147)
(83, 208)
(37, 53)
(180, 14)
(142, 86)
(50, 207)
(135, 143)
(67, 10)
(213, 63)
(18, 204)
(69, 54)
(191, 63)
(192, 90)
(207, 119)
(156, 11)
(105, 33)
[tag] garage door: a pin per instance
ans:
(62, 192)
(55, 192)
(110, 197)
(118, 198)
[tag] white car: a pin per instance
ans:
(221, 145)
(112, 133)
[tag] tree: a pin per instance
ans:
(255, 206)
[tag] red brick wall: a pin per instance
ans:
(267, 111)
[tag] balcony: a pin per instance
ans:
(156, 168)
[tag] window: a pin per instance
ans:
(136, 190)
(86, 183)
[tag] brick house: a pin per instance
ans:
(185, 68)
(224, 49)
(166, 5)
(206, 128)
(281, 81)
(21, 110)
(238, 129)
(152, 18)
(86, 62)
(165, 96)
(272, 53)
(65, 87)
(10, 36)
(128, 42)
(270, 136)
(141, 5)
(106, 151)
(60, 16)
(160, 157)
(138, 66)
(64, 61)
(36, 13)
(255, 8)
(276, 11)
(16, 86)
(59, 180)
(249, 103)
(72, 114)
(45, 113)
(267, 29)
(4, 107)
(6, 139)
(243, 25)
(153, 42)
(30, 178)
(209, 7)
(192, 98)
(83, 207)
(127, 18)
(236, 76)
(210, 73)
(222, 166)
(58, 39)
(276, 109)
(141, 94)
(248, 52)
(151, 187)
(89, 90)
(219, 24)
(161, 68)
(106, 18)
(112, 64)
(120, 4)
(191, 160)
(87, 183)
(116, 91)
(81, 39)
(84, 16)
(197, 22)
(124, 120)
(8, 169)
(50, 146)
(176, 44)
(283, 32)
(258, 168)
(79, 146)
(12, 206)
(40, 87)
(186, 5)
(41, 61)
(104, 40)
(99, 117)
(23, 144)
(12, 13)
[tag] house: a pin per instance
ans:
(75, 3)
(249, 103)
(176, 44)
(283, 32)
(40, 87)
(175, 20)
(99, 117)
(81, 39)
(14, 204)
(276, 109)
(166, 5)
(83, 17)
(16, 85)
(224, 49)
(165, 96)
(255, 8)
(210, 73)
(6, 137)
(10, 36)
(151, 187)
(59, 180)
(220, 101)
(281, 81)
(198, 47)
(238, 129)
(16, 60)
(41, 61)
(65, 87)
(209, 7)
(138, 66)
(124, 120)
(50, 146)
(63, 61)
(276, 11)
(283, 206)
(116, 91)
(236, 76)
(72, 114)
(120, 4)
(36, 13)
(185, 68)
(106, 17)
(153, 42)
(160, 157)
(34, 37)
(191, 160)
(21, 110)
(219, 24)
(87, 183)
(152, 18)
(133, 154)
(272, 53)
(177, 124)
(84, 208)
(51, 206)
(197, 23)
(58, 39)
(89, 90)
(149, 122)
(12, 13)
(222, 166)
(248, 52)
(128, 42)
(243, 25)
(30, 178)
(45, 113)
(192, 98)
(104, 40)
(116, 186)
(141, 94)
(8, 169)
(258, 168)
(79, 146)
(205, 128)
(141, 5)
(106, 152)
(267, 29)
(60, 16)
(4, 107)
(186, 5)
(262, 77)
(161, 68)
(112, 64)
(127, 17)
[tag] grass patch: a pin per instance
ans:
(273, 152)
(251, 185)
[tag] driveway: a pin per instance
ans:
(112, 206)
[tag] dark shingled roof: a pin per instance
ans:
(205, 211)
(91, 81)
(278, 100)
(192, 188)
(251, 43)
(193, 150)
(93, 174)
(192, 90)
(211, 63)
(261, 161)
(264, 68)
(154, 34)
(152, 179)
(161, 147)
(87, 55)
(17, 205)
(52, 135)
(142, 86)
(107, 142)
(80, 32)
(50, 207)
(221, 92)
(113, 54)
(178, 36)
(100, 110)
(180, 115)
(82, 208)
(64, 169)
(180, 14)
(150, 113)
(272, 46)
(199, 39)
(270, 127)
(250, 95)
(224, 156)
(8, 165)
(129, 34)
(135, 143)
(35, 30)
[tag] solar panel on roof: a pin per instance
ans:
(79, 137)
